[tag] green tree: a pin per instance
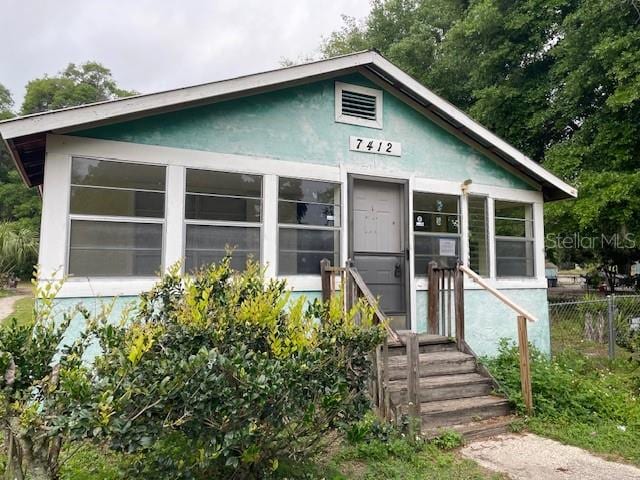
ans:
(76, 85)
(559, 79)
(6, 103)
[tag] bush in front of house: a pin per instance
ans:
(223, 375)
(32, 398)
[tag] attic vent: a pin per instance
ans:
(358, 105)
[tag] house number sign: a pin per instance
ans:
(371, 145)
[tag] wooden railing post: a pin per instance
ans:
(458, 296)
(525, 370)
(433, 298)
(325, 276)
(413, 385)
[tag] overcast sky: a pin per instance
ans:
(152, 45)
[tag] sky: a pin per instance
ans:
(153, 45)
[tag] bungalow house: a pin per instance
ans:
(345, 158)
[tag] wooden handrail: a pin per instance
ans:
(371, 300)
(496, 293)
(523, 340)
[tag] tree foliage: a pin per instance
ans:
(76, 85)
(559, 79)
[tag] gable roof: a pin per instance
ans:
(26, 136)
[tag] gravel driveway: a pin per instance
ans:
(530, 457)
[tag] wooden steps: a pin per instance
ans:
(453, 392)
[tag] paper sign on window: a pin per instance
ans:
(447, 247)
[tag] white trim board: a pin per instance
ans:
(140, 105)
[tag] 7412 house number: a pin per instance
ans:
(372, 145)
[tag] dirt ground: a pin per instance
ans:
(530, 457)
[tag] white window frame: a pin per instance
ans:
(487, 232)
(337, 208)
(528, 238)
(350, 119)
(115, 218)
(224, 223)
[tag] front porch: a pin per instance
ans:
(435, 377)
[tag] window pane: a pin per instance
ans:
(300, 250)
(435, 213)
(435, 222)
(478, 235)
(204, 207)
(309, 191)
(126, 203)
(513, 219)
(511, 210)
(207, 244)
(443, 250)
(432, 202)
(115, 248)
(514, 258)
(224, 183)
(106, 173)
(308, 214)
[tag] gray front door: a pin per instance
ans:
(378, 243)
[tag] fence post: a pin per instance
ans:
(458, 285)
(325, 277)
(525, 370)
(413, 385)
(611, 300)
(432, 298)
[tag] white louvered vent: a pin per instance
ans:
(358, 105)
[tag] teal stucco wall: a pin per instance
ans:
(487, 319)
(298, 124)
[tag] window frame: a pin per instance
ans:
(353, 120)
(528, 238)
(337, 208)
(488, 202)
(223, 223)
(457, 236)
(115, 218)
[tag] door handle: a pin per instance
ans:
(406, 252)
(396, 271)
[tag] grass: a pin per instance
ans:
(397, 459)
(365, 460)
(580, 399)
(22, 311)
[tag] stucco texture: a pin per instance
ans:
(298, 124)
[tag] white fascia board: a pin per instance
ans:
(462, 118)
(96, 112)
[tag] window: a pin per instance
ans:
(436, 226)
(308, 225)
(222, 211)
(358, 105)
(117, 217)
(478, 235)
(514, 239)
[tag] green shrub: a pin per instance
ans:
(32, 398)
(567, 386)
(222, 375)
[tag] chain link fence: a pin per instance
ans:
(596, 327)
